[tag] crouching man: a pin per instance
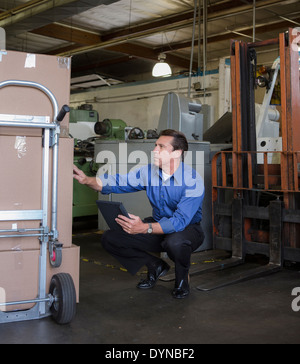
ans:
(176, 193)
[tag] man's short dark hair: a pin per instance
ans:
(179, 140)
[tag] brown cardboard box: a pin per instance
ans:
(19, 274)
(20, 188)
(51, 71)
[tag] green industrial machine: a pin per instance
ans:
(82, 121)
(83, 114)
(85, 128)
(111, 129)
(84, 198)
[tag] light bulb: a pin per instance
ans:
(161, 69)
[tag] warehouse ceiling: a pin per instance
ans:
(119, 41)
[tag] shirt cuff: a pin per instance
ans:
(166, 226)
(106, 188)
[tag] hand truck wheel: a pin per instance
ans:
(63, 291)
(56, 256)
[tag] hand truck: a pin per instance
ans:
(61, 300)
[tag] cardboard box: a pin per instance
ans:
(50, 71)
(21, 188)
(19, 274)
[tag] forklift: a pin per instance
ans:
(255, 192)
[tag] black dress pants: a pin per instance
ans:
(133, 251)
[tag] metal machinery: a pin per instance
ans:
(111, 129)
(61, 300)
(85, 128)
(179, 113)
(84, 198)
(255, 197)
(82, 122)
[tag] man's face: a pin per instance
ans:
(164, 153)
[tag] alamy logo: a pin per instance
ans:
(119, 162)
(296, 301)
(130, 169)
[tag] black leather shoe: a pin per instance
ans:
(160, 270)
(182, 291)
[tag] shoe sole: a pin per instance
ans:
(181, 297)
(162, 274)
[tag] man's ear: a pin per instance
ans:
(177, 153)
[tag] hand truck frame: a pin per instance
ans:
(61, 300)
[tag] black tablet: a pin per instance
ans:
(110, 211)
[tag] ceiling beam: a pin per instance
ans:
(231, 8)
(37, 13)
(69, 34)
(121, 41)
(28, 10)
(215, 11)
(230, 34)
(81, 37)
(148, 53)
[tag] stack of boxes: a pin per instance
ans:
(21, 173)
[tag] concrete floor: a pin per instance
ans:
(113, 311)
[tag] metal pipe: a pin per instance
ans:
(21, 8)
(204, 45)
(54, 189)
(19, 230)
(199, 36)
(36, 300)
(22, 236)
(192, 50)
(20, 124)
(34, 85)
(21, 215)
(254, 18)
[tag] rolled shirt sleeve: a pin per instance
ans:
(134, 181)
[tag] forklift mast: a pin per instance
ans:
(238, 174)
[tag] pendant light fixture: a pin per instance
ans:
(161, 69)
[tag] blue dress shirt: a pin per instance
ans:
(176, 202)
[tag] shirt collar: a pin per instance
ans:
(177, 175)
